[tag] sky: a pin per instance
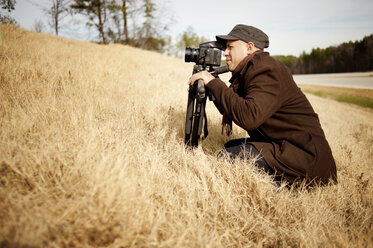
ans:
(293, 26)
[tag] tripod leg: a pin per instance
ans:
(199, 114)
(189, 115)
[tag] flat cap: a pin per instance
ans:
(246, 34)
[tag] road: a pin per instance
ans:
(362, 80)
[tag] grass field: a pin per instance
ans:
(360, 97)
(92, 155)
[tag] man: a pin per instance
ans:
(264, 100)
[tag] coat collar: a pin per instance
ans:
(239, 70)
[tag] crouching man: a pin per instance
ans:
(263, 99)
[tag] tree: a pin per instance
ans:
(38, 26)
(347, 57)
(96, 11)
(113, 18)
(288, 60)
(124, 10)
(8, 4)
(188, 38)
(149, 36)
(149, 39)
(56, 11)
(121, 12)
(8, 19)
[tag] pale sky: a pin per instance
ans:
(293, 26)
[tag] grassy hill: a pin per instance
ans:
(92, 155)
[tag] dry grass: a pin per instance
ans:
(92, 155)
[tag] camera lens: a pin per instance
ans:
(191, 54)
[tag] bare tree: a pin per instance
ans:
(38, 26)
(56, 11)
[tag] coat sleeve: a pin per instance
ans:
(261, 97)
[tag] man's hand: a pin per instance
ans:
(204, 76)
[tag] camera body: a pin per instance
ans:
(208, 54)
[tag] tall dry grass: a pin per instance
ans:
(92, 155)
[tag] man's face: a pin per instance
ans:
(235, 52)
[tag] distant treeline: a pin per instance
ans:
(143, 24)
(347, 57)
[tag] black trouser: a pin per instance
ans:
(241, 149)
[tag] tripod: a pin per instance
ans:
(196, 114)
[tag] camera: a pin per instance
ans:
(208, 54)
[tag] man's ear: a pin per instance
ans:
(250, 47)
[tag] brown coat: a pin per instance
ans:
(264, 100)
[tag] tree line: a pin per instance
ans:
(350, 56)
(140, 23)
